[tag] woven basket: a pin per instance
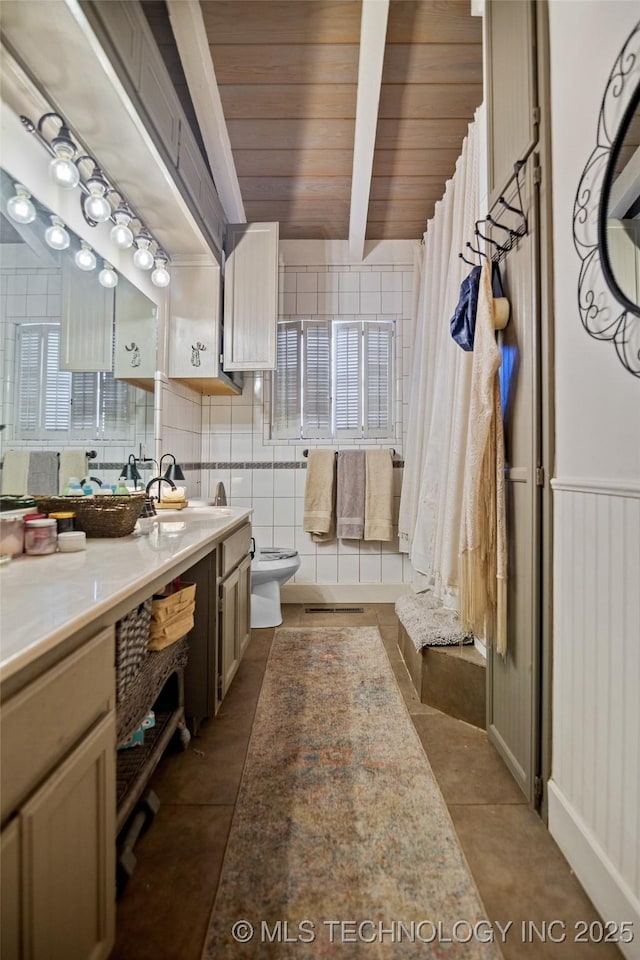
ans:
(132, 640)
(98, 516)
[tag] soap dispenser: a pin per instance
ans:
(121, 489)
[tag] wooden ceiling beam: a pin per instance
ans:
(193, 48)
(373, 33)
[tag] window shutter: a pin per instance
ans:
(378, 379)
(29, 358)
(84, 419)
(287, 393)
(114, 412)
(347, 380)
(57, 397)
(316, 384)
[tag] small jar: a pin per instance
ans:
(65, 521)
(72, 541)
(40, 537)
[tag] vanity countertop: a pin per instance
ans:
(47, 600)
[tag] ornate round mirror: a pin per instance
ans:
(606, 215)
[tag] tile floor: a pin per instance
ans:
(520, 873)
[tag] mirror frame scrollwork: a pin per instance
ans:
(599, 294)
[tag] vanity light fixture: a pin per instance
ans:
(160, 276)
(122, 234)
(95, 203)
(62, 168)
(107, 276)
(19, 207)
(56, 236)
(143, 257)
(85, 258)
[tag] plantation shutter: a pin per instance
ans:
(347, 380)
(29, 346)
(316, 386)
(57, 394)
(115, 414)
(83, 404)
(378, 379)
(287, 394)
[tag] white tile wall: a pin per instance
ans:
(236, 430)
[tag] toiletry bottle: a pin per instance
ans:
(121, 489)
(73, 488)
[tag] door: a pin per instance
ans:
(68, 855)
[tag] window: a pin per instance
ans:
(334, 379)
(56, 404)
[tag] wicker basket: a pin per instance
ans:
(132, 639)
(113, 516)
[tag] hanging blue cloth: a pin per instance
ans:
(463, 321)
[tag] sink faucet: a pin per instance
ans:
(220, 496)
(159, 481)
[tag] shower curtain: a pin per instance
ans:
(431, 499)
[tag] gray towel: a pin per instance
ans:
(350, 497)
(43, 473)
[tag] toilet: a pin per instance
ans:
(271, 567)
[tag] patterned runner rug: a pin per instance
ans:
(341, 844)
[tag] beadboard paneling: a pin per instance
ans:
(596, 707)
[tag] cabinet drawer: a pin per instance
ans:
(234, 548)
(43, 722)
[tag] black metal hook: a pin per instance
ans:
(470, 262)
(480, 253)
(494, 223)
(500, 248)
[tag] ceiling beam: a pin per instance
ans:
(373, 33)
(193, 47)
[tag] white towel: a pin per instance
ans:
(350, 495)
(15, 470)
(319, 496)
(378, 500)
(73, 463)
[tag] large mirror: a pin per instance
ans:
(606, 214)
(71, 348)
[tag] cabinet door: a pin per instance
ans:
(136, 336)
(10, 892)
(229, 609)
(194, 330)
(86, 322)
(244, 605)
(250, 296)
(68, 855)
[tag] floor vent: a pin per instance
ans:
(334, 610)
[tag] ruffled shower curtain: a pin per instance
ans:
(431, 499)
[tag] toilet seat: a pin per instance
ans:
(276, 553)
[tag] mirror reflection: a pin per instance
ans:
(69, 328)
(623, 212)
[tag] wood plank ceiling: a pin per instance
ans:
(287, 72)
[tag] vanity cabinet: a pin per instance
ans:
(57, 739)
(86, 321)
(194, 329)
(136, 336)
(250, 296)
(222, 624)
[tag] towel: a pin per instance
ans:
(350, 495)
(319, 495)
(378, 498)
(15, 470)
(43, 473)
(73, 463)
(483, 553)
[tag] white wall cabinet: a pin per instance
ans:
(58, 802)
(136, 337)
(250, 296)
(86, 321)
(194, 329)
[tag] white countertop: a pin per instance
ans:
(46, 599)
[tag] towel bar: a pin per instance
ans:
(305, 453)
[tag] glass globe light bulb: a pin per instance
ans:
(107, 276)
(19, 207)
(85, 258)
(121, 234)
(143, 258)
(160, 276)
(64, 172)
(97, 207)
(56, 235)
